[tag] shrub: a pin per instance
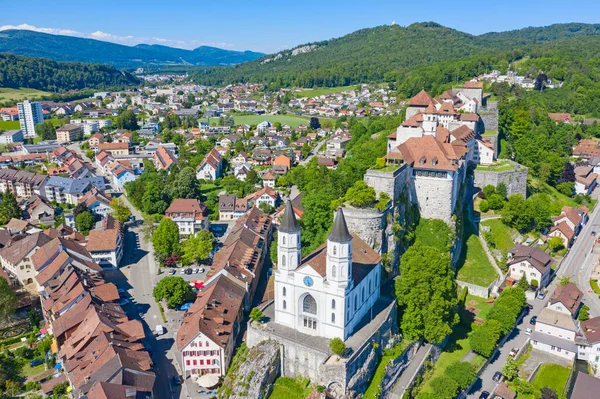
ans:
(256, 314)
(534, 283)
(380, 162)
(555, 243)
(462, 373)
(444, 387)
(484, 206)
(337, 346)
(495, 201)
(488, 191)
(501, 190)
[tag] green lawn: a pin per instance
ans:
(556, 199)
(594, 285)
(490, 133)
(502, 234)
(7, 94)
(322, 90)
(474, 265)
(480, 304)
(500, 166)
(549, 375)
(207, 188)
(290, 388)
(33, 371)
(9, 125)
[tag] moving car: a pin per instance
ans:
(497, 376)
(528, 331)
(484, 395)
(202, 270)
(182, 271)
(533, 320)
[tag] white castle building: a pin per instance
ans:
(328, 292)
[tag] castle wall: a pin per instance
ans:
(489, 120)
(369, 224)
(434, 197)
(391, 183)
(515, 180)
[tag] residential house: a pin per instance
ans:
(296, 207)
(95, 140)
(585, 180)
(190, 215)
(531, 262)
(16, 256)
(566, 299)
(97, 202)
(283, 161)
(105, 245)
(211, 167)
(568, 224)
(560, 117)
(265, 195)
(114, 148)
(555, 333)
(68, 133)
(37, 209)
(207, 336)
(232, 208)
(241, 171)
(68, 191)
(120, 173)
(585, 386)
(11, 136)
(164, 159)
(269, 179)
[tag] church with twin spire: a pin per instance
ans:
(328, 292)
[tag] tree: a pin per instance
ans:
(8, 301)
(305, 150)
(13, 388)
(483, 339)
(79, 208)
(510, 369)
(185, 184)
(502, 190)
(45, 131)
(427, 296)
(60, 389)
(34, 318)
(10, 368)
(462, 373)
(197, 247)
(548, 393)
(568, 174)
(584, 313)
(174, 289)
(90, 154)
(360, 194)
(555, 243)
(127, 120)
(337, 346)
(523, 387)
(121, 212)
(488, 191)
(9, 208)
(172, 260)
(252, 177)
(495, 201)
(85, 222)
(567, 188)
(256, 314)
(523, 283)
(562, 281)
(266, 208)
(484, 206)
(314, 123)
(444, 387)
(165, 238)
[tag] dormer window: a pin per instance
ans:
(422, 161)
(434, 161)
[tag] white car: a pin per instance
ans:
(196, 270)
(528, 331)
(182, 271)
(201, 270)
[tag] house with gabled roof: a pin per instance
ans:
(531, 262)
(211, 167)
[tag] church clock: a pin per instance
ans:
(308, 281)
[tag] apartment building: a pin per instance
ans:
(30, 114)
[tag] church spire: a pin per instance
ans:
(339, 231)
(289, 224)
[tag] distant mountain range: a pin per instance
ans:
(371, 55)
(74, 49)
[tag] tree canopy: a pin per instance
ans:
(165, 239)
(174, 289)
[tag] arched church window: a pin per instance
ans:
(284, 304)
(333, 317)
(333, 271)
(334, 250)
(284, 291)
(333, 304)
(283, 240)
(309, 305)
(282, 260)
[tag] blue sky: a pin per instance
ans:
(269, 26)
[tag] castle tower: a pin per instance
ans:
(289, 249)
(339, 251)
(430, 120)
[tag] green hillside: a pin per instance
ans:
(42, 74)
(74, 49)
(370, 55)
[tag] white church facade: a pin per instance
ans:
(328, 292)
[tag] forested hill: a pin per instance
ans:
(369, 55)
(47, 75)
(75, 49)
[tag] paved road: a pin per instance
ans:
(313, 152)
(577, 264)
(408, 374)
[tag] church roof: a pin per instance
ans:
(364, 259)
(339, 231)
(289, 224)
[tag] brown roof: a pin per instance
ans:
(17, 250)
(473, 85)
(106, 390)
(422, 99)
(364, 259)
(569, 295)
(164, 158)
(591, 329)
(113, 146)
(214, 313)
(565, 229)
(505, 393)
(428, 153)
(586, 386)
(535, 256)
(103, 240)
(107, 292)
(469, 117)
(181, 205)
(17, 224)
(265, 190)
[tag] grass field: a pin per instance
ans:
(292, 120)
(9, 125)
(502, 234)
(319, 91)
(474, 266)
(500, 166)
(33, 371)
(290, 388)
(7, 94)
(549, 375)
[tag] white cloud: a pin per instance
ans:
(126, 40)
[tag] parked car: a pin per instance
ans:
(159, 330)
(177, 380)
(513, 352)
(533, 320)
(182, 271)
(196, 270)
(35, 362)
(497, 376)
(202, 270)
(541, 295)
(123, 301)
(172, 272)
(593, 233)
(484, 395)
(528, 331)
(529, 306)
(188, 271)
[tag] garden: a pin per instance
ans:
(474, 266)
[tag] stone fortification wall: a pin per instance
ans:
(369, 224)
(434, 198)
(391, 183)
(489, 120)
(515, 180)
